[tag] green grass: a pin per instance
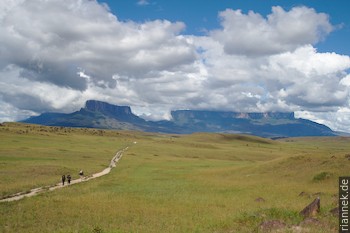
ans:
(166, 183)
(35, 156)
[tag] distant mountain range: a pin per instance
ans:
(97, 114)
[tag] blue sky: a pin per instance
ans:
(200, 16)
(158, 56)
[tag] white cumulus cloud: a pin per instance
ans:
(252, 34)
(55, 55)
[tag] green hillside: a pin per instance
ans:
(167, 183)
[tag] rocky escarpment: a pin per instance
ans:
(98, 114)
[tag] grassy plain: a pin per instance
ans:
(166, 183)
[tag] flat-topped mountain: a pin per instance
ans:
(97, 114)
(109, 109)
(239, 115)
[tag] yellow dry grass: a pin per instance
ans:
(167, 183)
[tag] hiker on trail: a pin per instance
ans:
(69, 178)
(81, 174)
(63, 179)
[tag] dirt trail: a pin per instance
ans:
(36, 191)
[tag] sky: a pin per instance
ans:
(158, 56)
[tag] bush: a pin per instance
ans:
(97, 229)
(321, 176)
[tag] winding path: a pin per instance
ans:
(36, 191)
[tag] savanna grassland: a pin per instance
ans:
(167, 183)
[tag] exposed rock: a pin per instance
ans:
(98, 114)
(297, 229)
(309, 222)
(272, 226)
(335, 199)
(335, 211)
(260, 199)
(312, 209)
(99, 106)
(304, 194)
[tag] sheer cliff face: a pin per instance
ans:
(97, 114)
(190, 114)
(98, 106)
(270, 124)
(113, 112)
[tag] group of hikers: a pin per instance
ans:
(69, 178)
(64, 179)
